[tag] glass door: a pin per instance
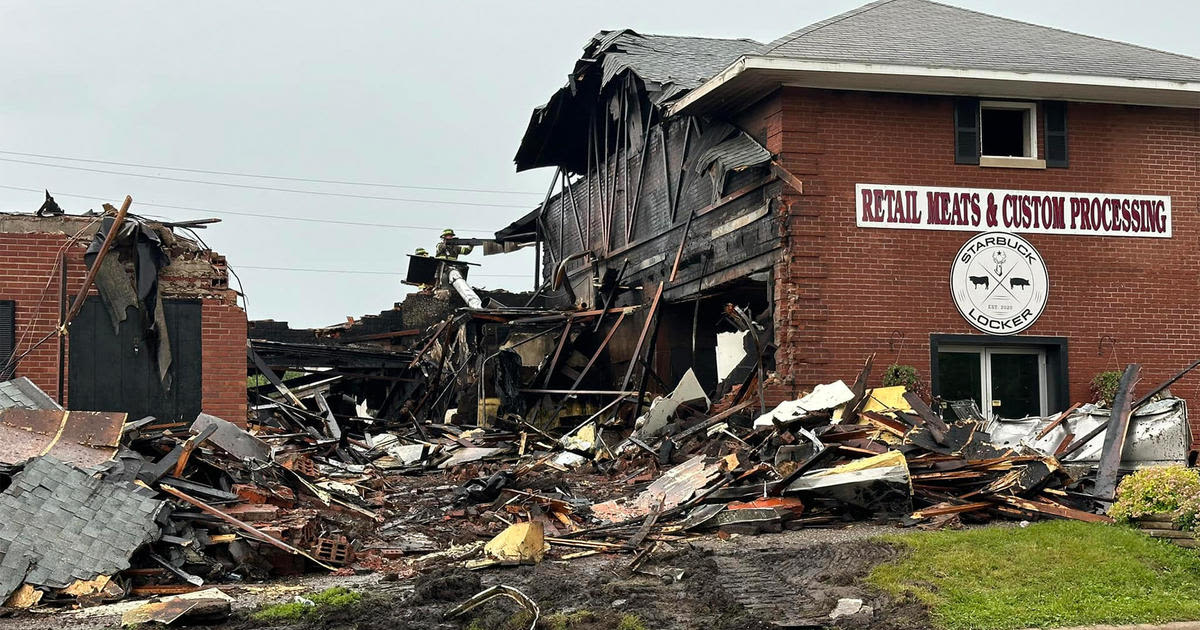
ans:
(1017, 382)
(1007, 382)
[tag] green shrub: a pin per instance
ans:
(1159, 490)
(1104, 386)
(905, 375)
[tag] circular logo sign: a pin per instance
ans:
(999, 283)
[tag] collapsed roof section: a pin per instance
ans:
(664, 66)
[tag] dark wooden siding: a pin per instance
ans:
(110, 372)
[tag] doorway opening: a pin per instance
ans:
(1006, 377)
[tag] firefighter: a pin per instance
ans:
(421, 252)
(451, 252)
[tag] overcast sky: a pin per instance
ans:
(433, 94)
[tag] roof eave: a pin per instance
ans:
(752, 77)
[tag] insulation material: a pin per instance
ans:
(822, 397)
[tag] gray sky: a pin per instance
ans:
(421, 94)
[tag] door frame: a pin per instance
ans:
(1056, 375)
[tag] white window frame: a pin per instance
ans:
(985, 372)
(1030, 159)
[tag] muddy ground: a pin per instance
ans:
(789, 579)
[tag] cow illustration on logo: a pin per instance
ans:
(999, 283)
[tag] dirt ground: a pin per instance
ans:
(790, 580)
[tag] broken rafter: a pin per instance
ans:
(637, 350)
(787, 177)
(246, 527)
(1057, 421)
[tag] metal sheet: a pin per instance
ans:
(1158, 434)
(82, 438)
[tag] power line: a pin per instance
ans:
(270, 188)
(278, 217)
(276, 177)
(374, 273)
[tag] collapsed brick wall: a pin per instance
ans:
(844, 292)
(29, 249)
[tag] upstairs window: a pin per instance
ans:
(1008, 129)
(1005, 133)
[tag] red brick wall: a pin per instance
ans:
(845, 292)
(28, 275)
(223, 335)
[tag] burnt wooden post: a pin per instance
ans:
(1114, 438)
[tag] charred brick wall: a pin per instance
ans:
(844, 292)
(29, 250)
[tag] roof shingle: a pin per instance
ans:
(930, 34)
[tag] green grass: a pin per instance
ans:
(259, 380)
(323, 602)
(1050, 574)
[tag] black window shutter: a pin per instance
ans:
(966, 131)
(1056, 133)
(8, 337)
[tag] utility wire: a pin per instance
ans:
(271, 188)
(375, 273)
(278, 217)
(342, 182)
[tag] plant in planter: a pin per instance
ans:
(897, 374)
(1157, 491)
(906, 375)
(1104, 386)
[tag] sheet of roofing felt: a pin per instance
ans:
(21, 393)
(83, 438)
(59, 524)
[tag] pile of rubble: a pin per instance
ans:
(330, 476)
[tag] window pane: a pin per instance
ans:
(959, 377)
(1005, 132)
(1016, 384)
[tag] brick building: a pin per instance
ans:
(1009, 208)
(104, 367)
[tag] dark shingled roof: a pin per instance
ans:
(681, 62)
(61, 524)
(929, 34)
(21, 393)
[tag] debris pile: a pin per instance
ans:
(490, 439)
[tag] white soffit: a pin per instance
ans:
(750, 78)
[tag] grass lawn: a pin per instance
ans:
(1050, 574)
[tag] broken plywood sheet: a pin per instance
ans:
(62, 525)
(82, 438)
(822, 398)
(208, 605)
(671, 489)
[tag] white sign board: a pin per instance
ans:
(1028, 211)
(999, 283)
